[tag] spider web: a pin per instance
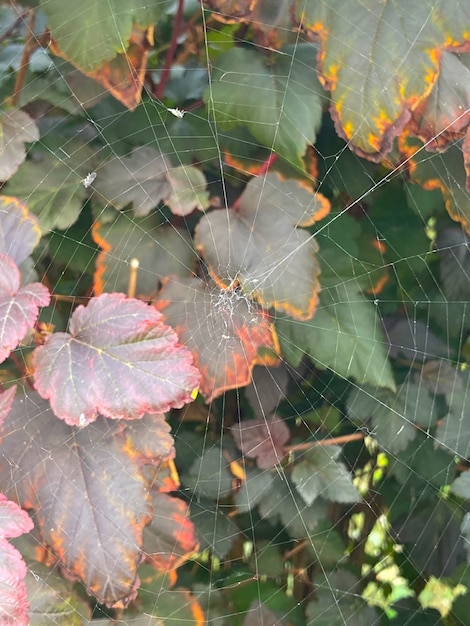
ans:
(268, 554)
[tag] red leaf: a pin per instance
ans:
(262, 439)
(222, 328)
(118, 359)
(90, 499)
(14, 606)
(19, 306)
(13, 596)
(169, 539)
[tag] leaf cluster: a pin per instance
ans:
(216, 197)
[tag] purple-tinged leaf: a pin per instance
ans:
(223, 329)
(13, 596)
(19, 229)
(118, 359)
(90, 500)
(170, 537)
(262, 439)
(19, 306)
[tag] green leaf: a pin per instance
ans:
(422, 467)
(446, 172)
(160, 250)
(52, 599)
(280, 102)
(453, 432)
(392, 416)
(320, 474)
(215, 530)
(253, 489)
(363, 47)
(89, 33)
(344, 335)
(439, 595)
(284, 502)
(139, 179)
(339, 602)
(52, 185)
(188, 190)
(209, 475)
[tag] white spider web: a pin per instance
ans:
(304, 383)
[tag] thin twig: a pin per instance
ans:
(133, 278)
(170, 55)
(29, 46)
(333, 441)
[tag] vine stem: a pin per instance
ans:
(29, 46)
(170, 55)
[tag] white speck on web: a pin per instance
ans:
(177, 112)
(89, 178)
(82, 420)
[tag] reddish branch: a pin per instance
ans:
(333, 441)
(28, 49)
(170, 55)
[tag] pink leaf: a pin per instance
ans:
(19, 306)
(118, 359)
(13, 596)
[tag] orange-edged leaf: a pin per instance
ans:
(260, 246)
(271, 21)
(149, 439)
(445, 114)
(466, 158)
(160, 250)
(19, 229)
(222, 328)
(124, 75)
(89, 497)
(445, 171)
(170, 538)
(231, 11)
(380, 60)
(19, 306)
(118, 359)
(89, 33)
